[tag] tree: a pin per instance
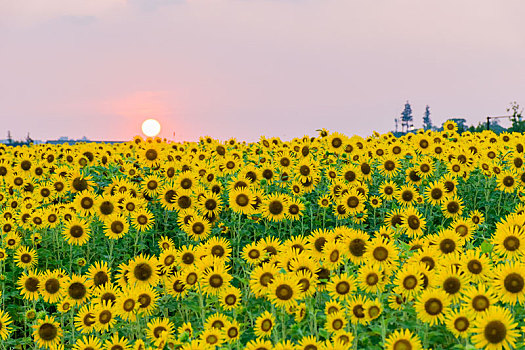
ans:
(427, 123)
(518, 124)
(406, 118)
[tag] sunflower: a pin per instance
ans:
(104, 315)
(29, 285)
(26, 258)
(371, 278)
(77, 289)
(452, 282)
(413, 222)
(448, 242)
(219, 247)
(198, 228)
(167, 196)
(142, 220)
(341, 287)
(460, 322)
(495, 329)
(116, 226)
(357, 309)
(143, 271)
(479, 298)
(335, 321)
(506, 181)
(212, 337)
(432, 306)
(176, 286)
(232, 331)
(435, 193)
(241, 200)
(394, 218)
(78, 182)
(210, 204)
(403, 339)
(381, 252)
(264, 325)
(84, 203)
(259, 344)
(356, 242)
(186, 256)
(147, 298)
(409, 281)
(274, 207)
(509, 282)
(117, 343)
(216, 279)
(230, 298)
(294, 210)
(284, 290)
(99, 274)
(85, 319)
(157, 326)
(509, 242)
(88, 342)
(47, 332)
(5, 321)
(475, 265)
(464, 228)
(261, 277)
(76, 232)
(51, 287)
(253, 254)
(309, 343)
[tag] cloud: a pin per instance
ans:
(153, 5)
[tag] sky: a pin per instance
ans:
(252, 68)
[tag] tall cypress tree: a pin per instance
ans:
(406, 118)
(427, 123)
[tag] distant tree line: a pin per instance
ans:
(406, 121)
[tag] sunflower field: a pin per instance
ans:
(325, 242)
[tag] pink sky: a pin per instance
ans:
(248, 68)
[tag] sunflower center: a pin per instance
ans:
(447, 245)
(100, 278)
(514, 282)
(342, 287)
(508, 181)
(52, 286)
(284, 292)
(76, 231)
(80, 184)
(117, 227)
(410, 282)
(89, 319)
(372, 279)
(352, 201)
(142, 219)
(436, 193)
(380, 253)
(142, 271)
(480, 303)
(230, 299)
(77, 290)
(276, 207)
(495, 332)
(151, 154)
(129, 305)
(105, 317)
(25, 258)
(242, 200)
(334, 256)
(357, 247)
(453, 207)
(511, 243)
(216, 280)
(337, 324)
(474, 266)
(452, 285)
(31, 284)
(188, 258)
(461, 324)
(48, 331)
(106, 207)
(433, 306)
(158, 330)
(413, 222)
(144, 300)
(265, 279)
(266, 325)
(198, 228)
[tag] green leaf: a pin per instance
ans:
(486, 247)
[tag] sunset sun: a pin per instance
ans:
(151, 127)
